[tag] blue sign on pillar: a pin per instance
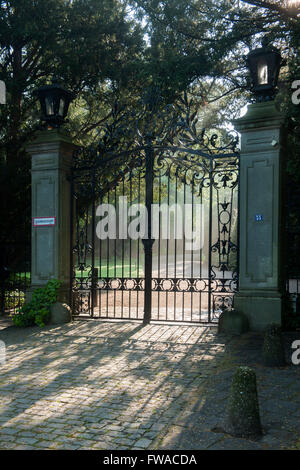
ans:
(259, 217)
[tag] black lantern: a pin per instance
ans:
(54, 101)
(264, 65)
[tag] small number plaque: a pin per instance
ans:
(44, 221)
(259, 218)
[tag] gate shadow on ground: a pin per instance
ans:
(124, 386)
(201, 426)
(94, 376)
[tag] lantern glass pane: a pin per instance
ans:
(49, 106)
(61, 107)
(262, 72)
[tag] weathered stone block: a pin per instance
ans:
(233, 322)
(60, 313)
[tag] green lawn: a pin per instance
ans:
(113, 270)
(19, 277)
(110, 270)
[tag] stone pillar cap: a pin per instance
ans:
(260, 115)
(51, 135)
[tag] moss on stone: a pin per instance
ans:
(242, 415)
(273, 347)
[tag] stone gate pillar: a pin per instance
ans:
(261, 218)
(51, 154)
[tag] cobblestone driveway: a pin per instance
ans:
(99, 385)
(92, 385)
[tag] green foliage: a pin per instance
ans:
(112, 50)
(37, 311)
(14, 299)
(202, 43)
(90, 46)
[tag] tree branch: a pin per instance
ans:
(287, 12)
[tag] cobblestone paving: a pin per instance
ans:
(94, 385)
(198, 425)
(99, 385)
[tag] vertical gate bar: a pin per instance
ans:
(229, 238)
(238, 225)
(130, 250)
(123, 252)
(201, 253)
(85, 281)
(100, 266)
(210, 236)
(93, 243)
(175, 245)
(183, 243)
(115, 254)
(219, 208)
(107, 265)
(230, 226)
(221, 273)
(138, 249)
(148, 243)
(167, 249)
(159, 247)
(192, 254)
(71, 238)
(77, 258)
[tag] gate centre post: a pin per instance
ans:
(148, 242)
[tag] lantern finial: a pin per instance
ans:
(54, 101)
(264, 65)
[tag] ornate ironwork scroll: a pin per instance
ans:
(156, 156)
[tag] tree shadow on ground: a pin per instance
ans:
(79, 374)
(279, 400)
(113, 385)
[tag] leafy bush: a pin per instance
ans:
(14, 299)
(37, 311)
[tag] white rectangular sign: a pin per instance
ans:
(44, 221)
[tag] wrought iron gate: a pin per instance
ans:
(179, 176)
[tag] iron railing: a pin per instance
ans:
(170, 159)
(292, 255)
(15, 275)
